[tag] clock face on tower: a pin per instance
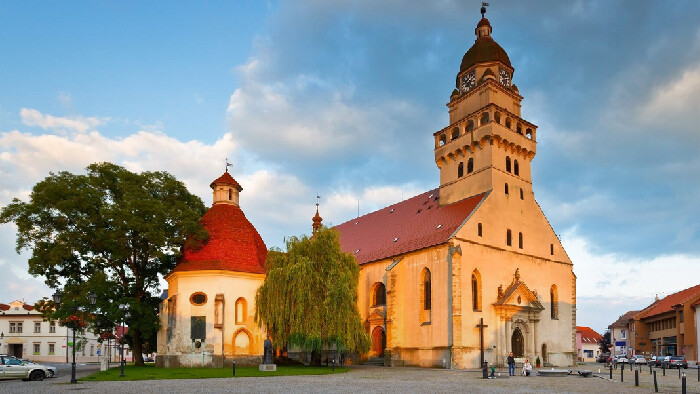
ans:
(468, 81)
(505, 77)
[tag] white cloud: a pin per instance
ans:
(678, 97)
(32, 117)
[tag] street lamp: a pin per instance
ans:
(57, 298)
(123, 308)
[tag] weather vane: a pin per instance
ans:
(228, 164)
(483, 8)
(317, 199)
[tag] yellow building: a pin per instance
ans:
(207, 315)
(478, 250)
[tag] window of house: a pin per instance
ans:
(427, 291)
(37, 348)
(516, 167)
(460, 170)
(623, 334)
(241, 310)
(681, 316)
(478, 230)
(16, 327)
(52, 349)
(506, 188)
(198, 298)
(554, 302)
(508, 163)
(37, 326)
(470, 165)
(476, 290)
(520, 240)
(52, 327)
(508, 237)
(379, 294)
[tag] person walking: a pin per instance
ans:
(511, 364)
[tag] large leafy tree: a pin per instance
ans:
(110, 231)
(309, 298)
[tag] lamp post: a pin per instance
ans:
(57, 298)
(123, 309)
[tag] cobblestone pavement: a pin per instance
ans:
(378, 379)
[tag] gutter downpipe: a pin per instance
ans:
(450, 314)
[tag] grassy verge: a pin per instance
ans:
(150, 372)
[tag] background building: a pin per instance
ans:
(24, 334)
(587, 344)
(620, 335)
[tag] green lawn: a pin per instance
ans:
(150, 372)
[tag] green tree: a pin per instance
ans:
(309, 298)
(110, 231)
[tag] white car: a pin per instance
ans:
(620, 359)
(53, 372)
(638, 359)
(13, 368)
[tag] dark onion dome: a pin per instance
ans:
(485, 49)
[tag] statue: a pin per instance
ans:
(267, 355)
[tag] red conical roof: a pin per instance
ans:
(233, 245)
(228, 179)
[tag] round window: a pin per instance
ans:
(198, 298)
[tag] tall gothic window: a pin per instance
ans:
(508, 238)
(241, 310)
(506, 189)
(478, 230)
(470, 166)
(476, 290)
(508, 163)
(554, 302)
(460, 170)
(427, 293)
(379, 295)
(516, 168)
(520, 240)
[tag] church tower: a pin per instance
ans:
(487, 144)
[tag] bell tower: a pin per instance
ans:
(487, 145)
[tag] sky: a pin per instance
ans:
(340, 99)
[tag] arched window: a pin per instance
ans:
(455, 133)
(528, 133)
(242, 341)
(520, 240)
(443, 140)
(241, 310)
(508, 238)
(519, 129)
(478, 230)
(230, 194)
(470, 125)
(470, 166)
(522, 197)
(379, 294)
(476, 291)
(497, 117)
(516, 167)
(554, 302)
(427, 291)
(460, 170)
(484, 118)
(508, 163)
(506, 189)
(508, 123)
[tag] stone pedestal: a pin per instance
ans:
(267, 367)
(104, 361)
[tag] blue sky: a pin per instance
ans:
(341, 99)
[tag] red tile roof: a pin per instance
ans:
(233, 245)
(226, 178)
(624, 319)
(413, 224)
(4, 307)
(666, 304)
(588, 335)
(28, 307)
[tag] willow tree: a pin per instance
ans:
(112, 232)
(309, 298)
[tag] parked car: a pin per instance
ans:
(13, 368)
(620, 359)
(53, 372)
(603, 357)
(676, 362)
(657, 360)
(638, 359)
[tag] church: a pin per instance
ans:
(464, 273)
(472, 268)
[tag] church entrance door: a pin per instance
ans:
(378, 341)
(518, 343)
